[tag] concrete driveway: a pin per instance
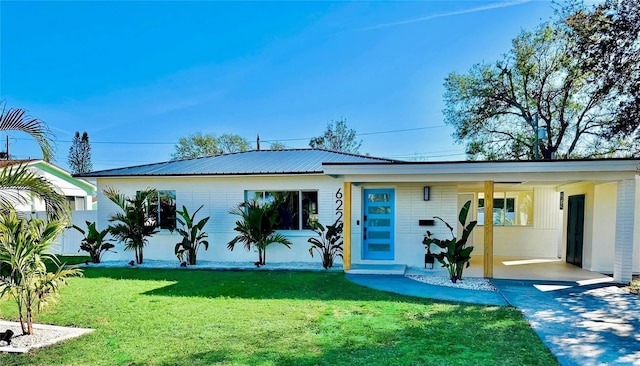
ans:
(597, 324)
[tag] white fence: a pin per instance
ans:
(69, 242)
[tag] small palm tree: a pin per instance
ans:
(192, 235)
(257, 227)
(133, 225)
(18, 178)
(328, 244)
(25, 249)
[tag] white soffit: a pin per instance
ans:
(517, 171)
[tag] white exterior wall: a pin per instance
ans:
(69, 242)
(602, 253)
(625, 222)
(541, 240)
(219, 196)
(409, 208)
(636, 231)
(66, 188)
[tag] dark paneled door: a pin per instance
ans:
(575, 230)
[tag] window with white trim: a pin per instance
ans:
(296, 210)
(509, 208)
(76, 203)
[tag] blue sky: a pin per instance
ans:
(138, 75)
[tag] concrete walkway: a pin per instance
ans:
(400, 284)
(586, 325)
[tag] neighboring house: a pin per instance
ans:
(79, 192)
(583, 211)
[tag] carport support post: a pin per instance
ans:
(488, 229)
(346, 228)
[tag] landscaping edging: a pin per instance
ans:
(44, 335)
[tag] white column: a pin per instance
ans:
(625, 219)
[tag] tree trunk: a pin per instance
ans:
(192, 256)
(139, 257)
(29, 320)
(22, 325)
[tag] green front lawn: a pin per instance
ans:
(181, 317)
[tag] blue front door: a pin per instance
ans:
(377, 235)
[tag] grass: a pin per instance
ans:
(173, 317)
(68, 259)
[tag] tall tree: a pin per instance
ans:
(80, 154)
(199, 144)
(337, 137)
(607, 42)
(548, 89)
(18, 178)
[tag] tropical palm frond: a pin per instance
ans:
(25, 246)
(132, 225)
(277, 238)
(18, 183)
(16, 119)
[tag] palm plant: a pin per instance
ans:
(329, 242)
(25, 248)
(257, 227)
(192, 235)
(18, 178)
(133, 225)
(94, 241)
(456, 255)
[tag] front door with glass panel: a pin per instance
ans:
(377, 233)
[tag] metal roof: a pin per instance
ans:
(256, 162)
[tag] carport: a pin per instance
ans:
(584, 212)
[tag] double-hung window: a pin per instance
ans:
(295, 210)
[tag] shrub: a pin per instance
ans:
(456, 255)
(329, 242)
(94, 241)
(192, 235)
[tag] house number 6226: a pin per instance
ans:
(339, 204)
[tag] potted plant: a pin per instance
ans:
(429, 258)
(456, 255)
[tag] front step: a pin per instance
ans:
(385, 269)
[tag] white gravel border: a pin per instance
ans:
(469, 283)
(44, 335)
(214, 265)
